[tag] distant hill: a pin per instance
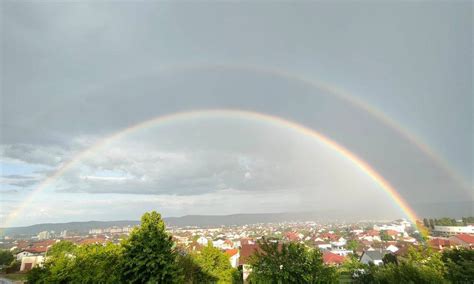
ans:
(428, 210)
(80, 227)
(188, 220)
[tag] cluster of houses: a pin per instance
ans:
(335, 242)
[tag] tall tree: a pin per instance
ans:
(6, 257)
(289, 263)
(192, 272)
(215, 263)
(149, 255)
(459, 265)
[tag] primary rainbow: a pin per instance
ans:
(361, 164)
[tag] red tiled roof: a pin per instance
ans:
(372, 233)
(92, 241)
(45, 243)
(465, 238)
(231, 252)
(439, 242)
(245, 241)
(329, 236)
(37, 249)
(23, 244)
(392, 232)
(246, 251)
(292, 236)
(332, 258)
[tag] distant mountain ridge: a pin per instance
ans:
(428, 210)
(188, 220)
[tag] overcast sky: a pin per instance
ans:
(75, 73)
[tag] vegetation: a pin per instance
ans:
(459, 265)
(421, 265)
(82, 264)
(6, 257)
(384, 236)
(215, 264)
(191, 271)
(289, 263)
(149, 254)
(430, 223)
(353, 245)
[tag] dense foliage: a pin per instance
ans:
(459, 265)
(79, 264)
(421, 265)
(216, 264)
(289, 263)
(430, 223)
(148, 254)
(6, 257)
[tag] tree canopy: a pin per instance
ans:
(216, 264)
(6, 257)
(148, 254)
(289, 263)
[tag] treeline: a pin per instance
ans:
(149, 255)
(430, 223)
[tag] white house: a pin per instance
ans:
(234, 256)
(392, 248)
(202, 241)
(374, 256)
(29, 262)
(399, 228)
(22, 254)
(218, 243)
(324, 246)
(341, 252)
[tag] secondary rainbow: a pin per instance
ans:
(344, 96)
(278, 121)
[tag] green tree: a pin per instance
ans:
(289, 263)
(85, 264)
(191, 271)
(6, 257)
(216, 264)
(421, 265)
(384, 236)
(459, 265)
(61, 248)
(426, 223)
(432, 224)
(353, 245)
(148, 254)
(101, 262)
(390, 258)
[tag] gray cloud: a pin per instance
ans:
(75, 73)
(33, 154)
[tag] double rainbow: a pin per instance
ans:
(217, 113)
